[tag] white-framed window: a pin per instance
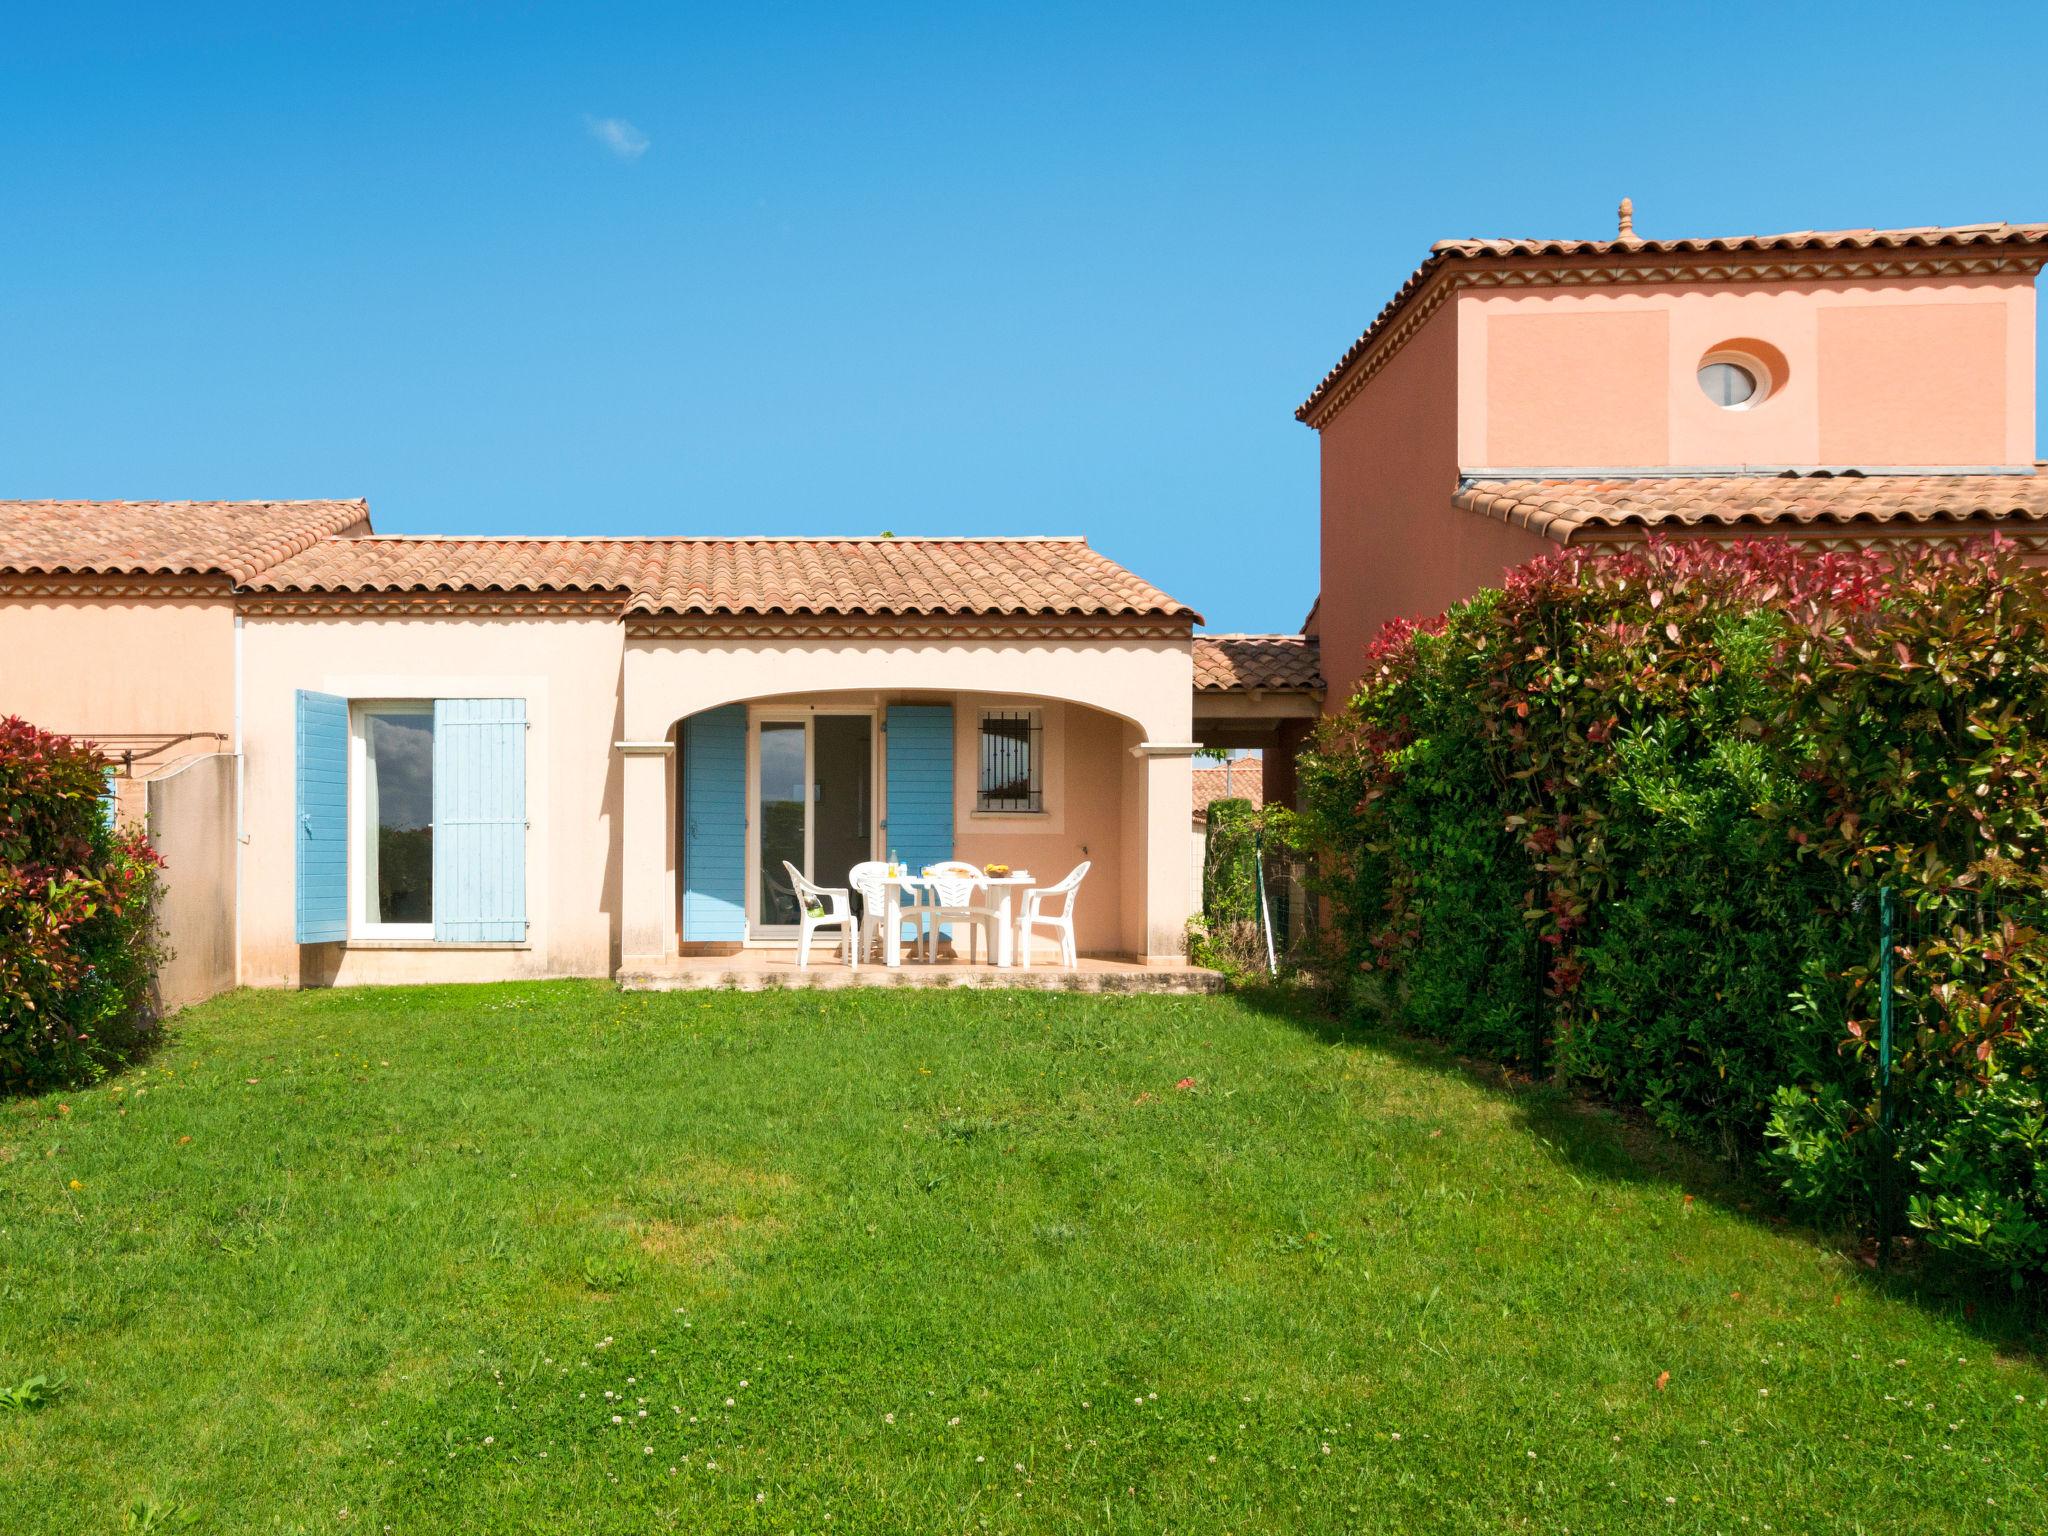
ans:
(412, 820)
(1741, 375)
(1729, 385)
(391, 835)
(1010, 761)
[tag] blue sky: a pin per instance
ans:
(839, 270)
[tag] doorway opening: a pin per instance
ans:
(813, 805)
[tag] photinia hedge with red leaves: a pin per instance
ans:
(1626, 819)
(77, 915)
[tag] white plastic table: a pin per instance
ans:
(1002, 896)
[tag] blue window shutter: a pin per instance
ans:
(479, 821)
(920, 769)
(320, 914)
(715, 826)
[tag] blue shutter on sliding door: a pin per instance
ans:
(479, 821)
(320, 903)
(920, 768)
(715, 826)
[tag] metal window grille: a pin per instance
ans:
(1012, 747)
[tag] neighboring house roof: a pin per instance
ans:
(957, 577)
(1824, 247)
(235, 539)
(1246, 782)
(1269, 663)
(1563, 509)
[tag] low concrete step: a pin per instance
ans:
(736, 974)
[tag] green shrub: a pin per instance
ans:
(78, 897)
(1230, 936)
(1626, 820)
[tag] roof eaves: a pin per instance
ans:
(1515, 512)
(1569, 509)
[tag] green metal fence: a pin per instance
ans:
(1256, 907)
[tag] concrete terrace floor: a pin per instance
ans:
(762, 970)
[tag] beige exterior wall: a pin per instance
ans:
(99, 666)
(601, 852)
(566, 669)
(191, 824)
(1085, 756)
(1935, 372)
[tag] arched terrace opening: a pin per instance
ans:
(1032, 755)
(828, 780)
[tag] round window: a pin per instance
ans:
(1729, 385)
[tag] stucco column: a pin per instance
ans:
(1166, 788)
(645, 934)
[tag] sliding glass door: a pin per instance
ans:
(783, 828)
(814, 806)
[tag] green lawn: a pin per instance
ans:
(550, 1258)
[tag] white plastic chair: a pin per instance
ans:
(876, 900)
(834, 909)
(954, 886)
(1060, 922)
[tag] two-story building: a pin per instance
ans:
(1515, 396)
(1518, 396)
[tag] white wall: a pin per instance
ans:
(566, 669)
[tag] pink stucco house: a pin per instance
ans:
(467, 759)
(1518, 395)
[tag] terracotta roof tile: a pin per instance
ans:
(409, 563)
(1562, 509)
(1238, 663)
(1246, 781)
(235, 539)
(1817, 242)
(740, 577)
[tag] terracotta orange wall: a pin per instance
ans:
(1937, 371)
(126, 666)
(1393, 546)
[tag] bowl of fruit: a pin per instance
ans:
(995, 871)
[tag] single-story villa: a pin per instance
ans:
(479, 758)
